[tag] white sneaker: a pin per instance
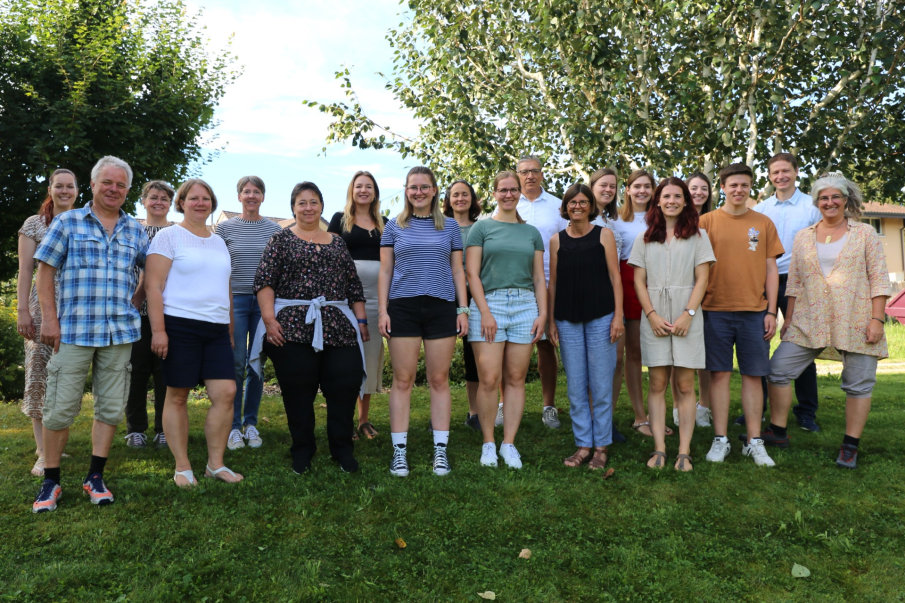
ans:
(719, 450)
(756, 450)
(488, 455)
(551, 417)
(253, 437)
(235, 440)
(499, 416)
(511, 456)
(703, 416)
(675, 416)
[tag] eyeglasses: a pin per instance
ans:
(836, 198)
(580, 203)
(419, 189)
(535, 171)
(506, 192)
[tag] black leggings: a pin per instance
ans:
(300, 371)
(145, 364)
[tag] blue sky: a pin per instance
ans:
(290, 52)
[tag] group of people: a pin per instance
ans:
(663, 282)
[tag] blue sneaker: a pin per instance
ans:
(618, 438)
(96, 489)
(47, 498)
(808, 424)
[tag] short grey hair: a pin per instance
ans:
(111, 161)
(854, 198)
(525, 158)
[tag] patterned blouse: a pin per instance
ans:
(296, 269)
(835, 310)
(35, 229)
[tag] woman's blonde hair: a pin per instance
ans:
(627, 211)
(402, 220)
(853, 197)
(502, 176)
(373, 209)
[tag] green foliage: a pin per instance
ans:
(80, 79)
(725, 532)
(673, 86)
(12, 354)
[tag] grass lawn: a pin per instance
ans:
(728, 532)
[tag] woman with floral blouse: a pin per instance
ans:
(313, 308)
(837, 290)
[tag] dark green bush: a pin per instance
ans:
(12, 354)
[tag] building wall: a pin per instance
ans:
(892, 246)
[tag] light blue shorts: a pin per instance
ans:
(514, 310)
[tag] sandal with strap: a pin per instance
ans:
(661, 459)
(367, 430)
(578, 459)
(187, 474)
(681, 458)
(216, 474)
(637, 427)
(38, 469)
(596, 463)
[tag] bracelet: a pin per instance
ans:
(363, 321)
(880, 319)
(649, 313)
(773, 314)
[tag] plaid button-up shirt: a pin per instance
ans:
(97, 276)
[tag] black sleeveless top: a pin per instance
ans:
(583, 288)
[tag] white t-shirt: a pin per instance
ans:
(198, 283)
(630, 232)
(543, 214)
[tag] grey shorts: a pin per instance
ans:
(859, 371)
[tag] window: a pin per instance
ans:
(876, 223)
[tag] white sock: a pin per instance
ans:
(723, 439)
(441, 437)
(400, 439)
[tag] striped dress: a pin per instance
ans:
(422, 257)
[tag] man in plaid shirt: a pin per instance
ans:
(95, 251)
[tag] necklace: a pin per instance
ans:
(830, 236)
(309, 241)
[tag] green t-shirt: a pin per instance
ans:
(507, 260)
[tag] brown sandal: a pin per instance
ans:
(595, 462)
(577, 459)
(661, 459)
(681, 458)
(367, 430)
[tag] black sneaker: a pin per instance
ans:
(769, 438)
(473, 422)
(848, 456)
(399, 466)
(440, 461)
(808, 424)
(348, 464)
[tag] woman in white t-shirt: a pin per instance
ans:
(639, 190)
(189, 306)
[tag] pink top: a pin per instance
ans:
(835, 310)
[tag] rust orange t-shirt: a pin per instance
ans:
(742, 244)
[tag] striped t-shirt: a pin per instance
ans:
(245, 241)
(422, 255)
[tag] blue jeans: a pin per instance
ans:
(589, 360)
(246, 315)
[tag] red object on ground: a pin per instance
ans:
(896, 307)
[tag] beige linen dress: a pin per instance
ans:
(670, 281)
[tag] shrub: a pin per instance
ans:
(12, 354)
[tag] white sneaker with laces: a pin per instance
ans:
(719, 450)
(675, 416)
(511, 456)
(235, 440)
(703, 416)
(253, 437)
(755, 449)
(499, 416)
(488, 455)
(551, 417)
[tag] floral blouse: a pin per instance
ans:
(835, 310)
(296, 269)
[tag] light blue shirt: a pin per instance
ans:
(789, 216)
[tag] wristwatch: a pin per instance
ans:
(463, 310)
(690, 311)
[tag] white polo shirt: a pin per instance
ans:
(543, 214)
(790, 216)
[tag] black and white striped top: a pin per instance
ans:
(422, 256)
(152, 232)
(245, 241)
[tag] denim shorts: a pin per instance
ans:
(745, 331)
(514, 310)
